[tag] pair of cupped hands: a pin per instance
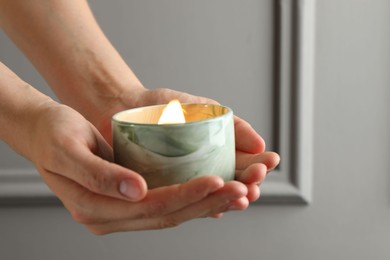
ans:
(75, 159)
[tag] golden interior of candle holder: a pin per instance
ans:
(151, 114)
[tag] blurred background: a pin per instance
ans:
(225, 49)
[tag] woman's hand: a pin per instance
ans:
(252, 162)
(76, 163)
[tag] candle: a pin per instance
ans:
(172, 114)
(170, 144)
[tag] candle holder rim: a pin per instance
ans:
(122, 122)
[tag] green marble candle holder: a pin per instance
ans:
(175, 153)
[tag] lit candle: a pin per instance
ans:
(175, 143)
(172, 114)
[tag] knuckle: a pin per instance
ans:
(168, 222)
(82, 217)
(155, 209)
(95, 181)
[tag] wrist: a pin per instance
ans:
(20, 105)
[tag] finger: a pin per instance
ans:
(105, 178)
(90, 208)
(253, 192)
(239, 204)
(252, 195)
(244, 160)
(253, 176)
(217, 202)
(247, 140)
(97, 175)
(255, 173)
(166, 200)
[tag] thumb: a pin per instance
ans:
(113, 180)
(104, 177)
(99, 175)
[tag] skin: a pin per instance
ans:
(69, 143)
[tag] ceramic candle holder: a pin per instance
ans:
(175, 153)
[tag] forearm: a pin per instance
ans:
(64, 42)
(19, 109)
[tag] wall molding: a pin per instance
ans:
(294, 84)
(293, 108)
(24, 187)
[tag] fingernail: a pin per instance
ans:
(130, 189)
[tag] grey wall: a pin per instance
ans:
(349, 217)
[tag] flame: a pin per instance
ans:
(172, 114)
